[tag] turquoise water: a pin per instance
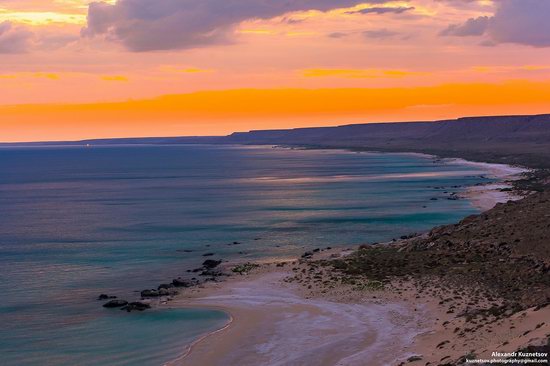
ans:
(77, 222)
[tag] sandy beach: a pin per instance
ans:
(279, 320)
(295, 312)
(486, 196)
(277, 323)
(280, 323)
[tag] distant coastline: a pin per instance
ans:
(514, 140)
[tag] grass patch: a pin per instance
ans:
(243, 269)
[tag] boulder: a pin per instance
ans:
(115, 304)
(179, 282)
(164, 292)
(165, 286)
(105, 297)
(149, 293)
(211, 263)
(137, 305)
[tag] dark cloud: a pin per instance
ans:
(380, 33)
(522, 21)
(338, 35)
(147, 25)
(515, 21)
(461, 4)
(472, 27)
(382, 10)
(54, 41)
(14, 39)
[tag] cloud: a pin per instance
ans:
(359, 73)
(149, 25)
(337, 35)
(380, 33)
(472, 27)
(28, 75)
(522, 21)
(515, 21)
(382, 10)
(119, 78)
(14, 39)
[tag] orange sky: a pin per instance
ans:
(70, 70)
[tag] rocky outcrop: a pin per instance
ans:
(150, 293)
(179, 282)
(115, 304)
(136, 306)
(211, 263)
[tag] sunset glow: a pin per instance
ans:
(74, 69)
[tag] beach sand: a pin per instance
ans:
(277, 323)
(276, 320)
(486, 196)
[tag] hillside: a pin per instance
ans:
(508, 139)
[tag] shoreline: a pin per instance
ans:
(483, 197)
(266, 307)
(415, 328)
(486, 196)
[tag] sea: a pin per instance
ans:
(79, 221)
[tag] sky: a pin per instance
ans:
(76, 69)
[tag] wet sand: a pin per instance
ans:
(277, 323)
(280, 322)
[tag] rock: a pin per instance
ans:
(211, 263)
(149, 293)
(137, 305)
(414, 358)
(178, 282)
(105, 297)
(115, 304)
(165, 286)
(208, 254)
(307, 255)
(210, 272)
(163, 292)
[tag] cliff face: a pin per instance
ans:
(510, 139)
(534, 129)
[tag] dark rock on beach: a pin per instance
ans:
(115, 304)
(164, 292)
(179, 282)
(137, 305)
(105, 297)
(149, 293)
(211, 263)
